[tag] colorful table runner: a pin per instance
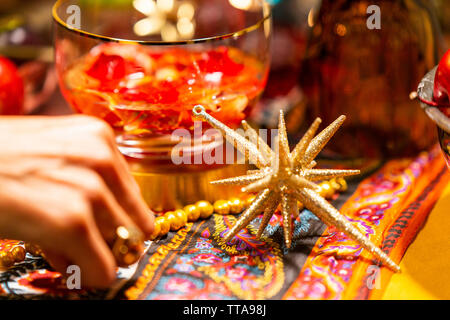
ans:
(390, 206)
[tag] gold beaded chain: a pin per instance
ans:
(17, 253)
(174, 220)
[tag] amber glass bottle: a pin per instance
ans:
(367, 73)
(443, 12)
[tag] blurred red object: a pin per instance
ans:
(11, 88)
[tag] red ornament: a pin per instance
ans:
(11, 88)
(442, 82)
(441, 89)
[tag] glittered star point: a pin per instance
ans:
(286, 178)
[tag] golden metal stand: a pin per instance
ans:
(173, 189)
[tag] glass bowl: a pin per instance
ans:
(142, 66)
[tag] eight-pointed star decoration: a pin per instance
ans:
(285, 177)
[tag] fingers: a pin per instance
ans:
(89, 276)
(71, 207)
(103, 156)
(124, 187)
(94, 258)
(131, 198)
(76, 237)
(117, 175)
(59, 218)
(107, 212)
(57, 262)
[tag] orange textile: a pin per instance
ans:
(426, 263)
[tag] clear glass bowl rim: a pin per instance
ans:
(240, 33)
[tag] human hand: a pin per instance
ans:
(65, 186)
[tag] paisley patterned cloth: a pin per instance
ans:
(196, 263)
(390, 206)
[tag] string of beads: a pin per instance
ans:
(13, 251)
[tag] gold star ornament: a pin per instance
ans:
(287, 178)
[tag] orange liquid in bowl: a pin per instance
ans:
(143, 91)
